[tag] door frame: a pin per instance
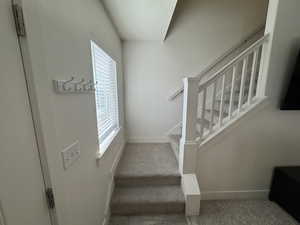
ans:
(35, 114)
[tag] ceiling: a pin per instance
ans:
(141, 19)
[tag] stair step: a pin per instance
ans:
(177, 219)
(164, 199)
(205, 122)
(216, 112)
(144, 164)
(154, 180)
(175, 142)
(236, 92)
(227, 101)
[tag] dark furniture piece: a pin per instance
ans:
(285, 189)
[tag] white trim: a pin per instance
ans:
(35, 108)
(117, 159)
(191, 191)
(107, 142)
(242, 194)
(111, 185)
(147, 140)
(259, 102)
(165, 32)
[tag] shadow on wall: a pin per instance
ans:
(294, 51)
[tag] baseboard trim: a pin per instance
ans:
(106, 220)
(247, 194)
(117, 159)
(147, 140)
(111, 186)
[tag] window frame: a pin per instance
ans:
(104, 142)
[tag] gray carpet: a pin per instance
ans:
(142, 160)
(225, 212)
(149, 220)
(143, 200)
(242, 212)
(147, 182)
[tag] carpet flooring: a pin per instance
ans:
(147, 181)
(242, 212)
(143, 160)
(225, 212)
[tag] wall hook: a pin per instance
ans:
(88, 86)
(65, 83)
(77, 85)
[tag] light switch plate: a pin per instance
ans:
(70, 154)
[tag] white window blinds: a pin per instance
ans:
(104, 69)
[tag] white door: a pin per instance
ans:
(22, 187)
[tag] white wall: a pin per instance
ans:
(239, 163)
(202, 31)
(58, 36)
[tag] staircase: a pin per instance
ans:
(214, 102)
(147, 181)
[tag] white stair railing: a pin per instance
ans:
(229, 54)
(210, 104)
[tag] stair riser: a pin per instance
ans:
(148, 208)
(175, 148)
(144, 181)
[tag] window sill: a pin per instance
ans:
(107, 143)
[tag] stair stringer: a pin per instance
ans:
(206, 154)
(188, 158)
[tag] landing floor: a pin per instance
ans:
(225, 212)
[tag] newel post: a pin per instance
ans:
(188, 144)
(264, 67)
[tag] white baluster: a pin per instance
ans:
(222, 100)
(203, 112)
(253, 74)
(242, 85)
(232, 91)
(211, 124)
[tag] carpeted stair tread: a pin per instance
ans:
(148, 200)
(175, 142)
(170, 219)
(147, 161)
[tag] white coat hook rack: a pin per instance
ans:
(70, 86)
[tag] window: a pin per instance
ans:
(104, 69)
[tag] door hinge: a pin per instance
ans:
(50, 198)
(19, 19)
